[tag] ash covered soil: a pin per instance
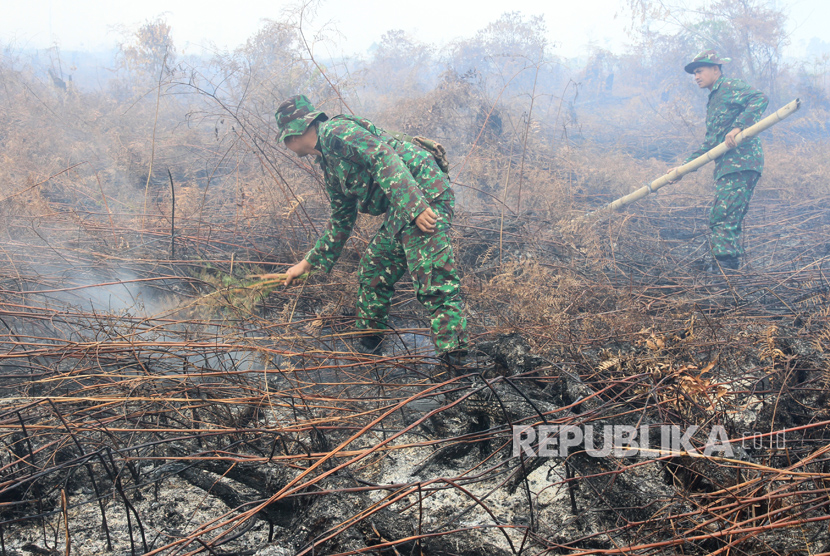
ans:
(172, 436)
(439, 468)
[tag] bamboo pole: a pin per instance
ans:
(703, 159)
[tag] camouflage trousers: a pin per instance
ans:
(732, 195)
(430, 261)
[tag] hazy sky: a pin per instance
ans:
(572, 25)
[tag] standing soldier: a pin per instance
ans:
(733, 106)
(368, 170)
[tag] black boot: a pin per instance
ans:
(463, 361)
(452, 363)
(455, 361)
(728, 262)
(369, 344)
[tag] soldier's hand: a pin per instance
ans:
(426, 221)
(730, 138)
(678, 178)
(296, 271)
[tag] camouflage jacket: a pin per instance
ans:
(733, 103)
(367, 170)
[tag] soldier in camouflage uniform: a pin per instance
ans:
(371, 171)
(733, 106)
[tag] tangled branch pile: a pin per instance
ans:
(153, 402)
(174, 427)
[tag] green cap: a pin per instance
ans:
(706, 58)
(295, 115)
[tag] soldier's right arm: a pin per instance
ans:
(330, 245)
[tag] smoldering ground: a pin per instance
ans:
(155, 401)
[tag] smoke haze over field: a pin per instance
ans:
(161, 391)
(353, 27)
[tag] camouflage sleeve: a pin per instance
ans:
(710, 141)
(704, 148)
(385, 167)
(328, 248)
(749, 103)
(753, 101)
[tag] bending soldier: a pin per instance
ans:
(732, 107)
(368, 170)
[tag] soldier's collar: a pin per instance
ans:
(718, 83)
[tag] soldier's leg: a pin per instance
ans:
(432, 265)
(381, 266)
(732, 195)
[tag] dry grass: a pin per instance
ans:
(131, 361)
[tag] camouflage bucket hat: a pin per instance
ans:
(295, 115)
(706, 58)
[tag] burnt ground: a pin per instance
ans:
(149, 407)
